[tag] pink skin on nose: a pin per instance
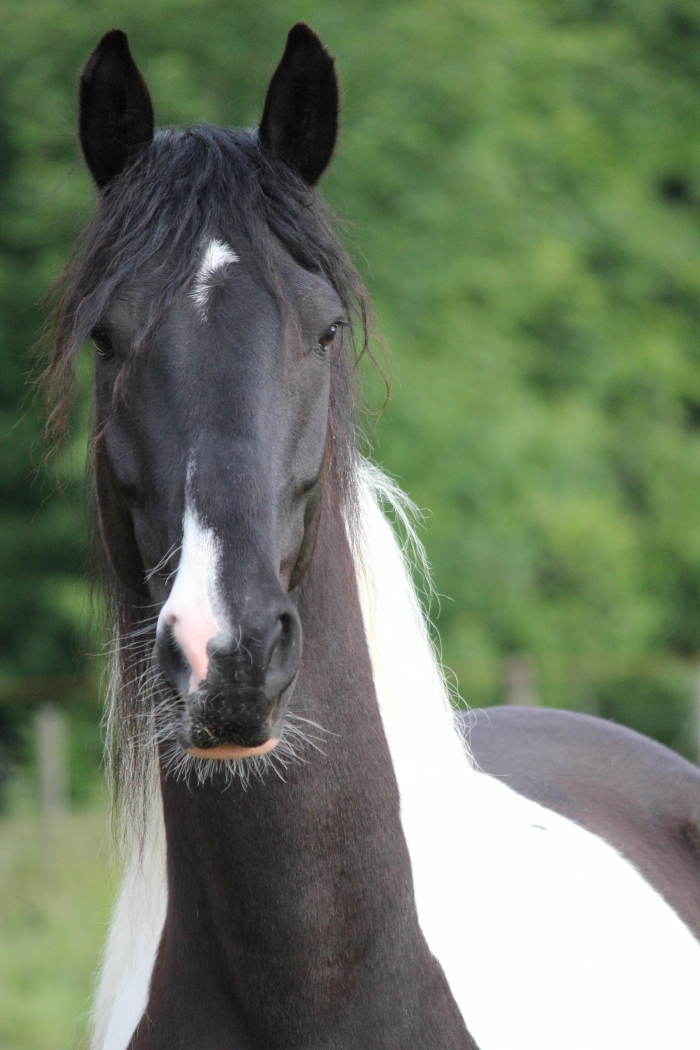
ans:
(189, 611)
(193, 634)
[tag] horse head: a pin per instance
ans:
(217, 322)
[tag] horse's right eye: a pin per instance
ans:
(103, 342)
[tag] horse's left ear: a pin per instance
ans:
(116, 113)
(300, 118)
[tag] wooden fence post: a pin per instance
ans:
(521, 684)
(52, 760)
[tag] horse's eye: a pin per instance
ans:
(326, 340)
(328, 336)
(103, 342)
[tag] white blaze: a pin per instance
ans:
(216, 256)
(192, 610)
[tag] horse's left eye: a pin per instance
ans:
(326, 339)
(328, 336)
(103, 342)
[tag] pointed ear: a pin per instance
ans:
(300, 118)
(116, 113)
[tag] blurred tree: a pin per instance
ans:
(524, 178)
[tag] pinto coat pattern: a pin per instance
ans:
(312, 859)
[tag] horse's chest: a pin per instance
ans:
(548, 937)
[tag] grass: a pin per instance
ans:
(55, 892)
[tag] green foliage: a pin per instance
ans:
(524, 178)
(538, 270)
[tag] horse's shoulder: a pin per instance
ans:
(638, 795)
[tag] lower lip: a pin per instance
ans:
(233, 750)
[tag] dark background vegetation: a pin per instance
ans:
(522, 179)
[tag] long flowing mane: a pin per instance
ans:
(186, 186)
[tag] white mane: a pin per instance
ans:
(547, 937)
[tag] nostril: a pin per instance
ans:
(174, 650)
(172, 660)
(286, 628)
(284, 647)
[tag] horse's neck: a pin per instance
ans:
(277, 839)
(297, 893)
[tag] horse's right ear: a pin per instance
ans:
(116, 113)
(300, 119)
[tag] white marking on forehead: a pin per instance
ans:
(215, 258)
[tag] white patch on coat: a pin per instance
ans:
(216, 256)
(549, 939)
(193, 611)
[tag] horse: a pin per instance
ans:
(313, 858)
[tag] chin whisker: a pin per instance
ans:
(292, 748)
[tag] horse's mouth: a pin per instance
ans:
(237, 723)
(231, 751)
